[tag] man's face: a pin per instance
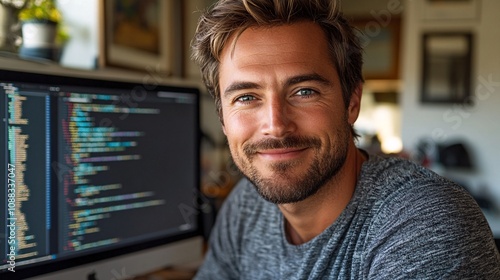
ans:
(283, 112)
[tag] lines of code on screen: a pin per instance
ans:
(27, 215)
(91, 165)
(116, 165)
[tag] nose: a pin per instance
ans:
(277, 118)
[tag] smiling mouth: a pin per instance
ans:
(291, 147)
(281, 154)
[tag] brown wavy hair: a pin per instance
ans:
(228, 17)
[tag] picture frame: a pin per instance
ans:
(447, 67)
(151, 22)
(381, 46)
(450, 9)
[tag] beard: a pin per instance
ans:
(286, 186)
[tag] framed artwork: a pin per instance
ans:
(137, 34)
(380, 41)
(450, 9)
(447, 64)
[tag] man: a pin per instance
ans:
(286, 77)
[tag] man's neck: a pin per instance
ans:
(306, 219)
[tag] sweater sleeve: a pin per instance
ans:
(430, 231)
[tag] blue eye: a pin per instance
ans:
(305, 92)
(245, 98)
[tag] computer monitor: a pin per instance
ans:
(92, 169)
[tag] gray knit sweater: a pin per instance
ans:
(403, 222)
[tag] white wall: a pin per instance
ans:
(478, 125)
(82, 21)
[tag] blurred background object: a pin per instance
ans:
(43, 35)
(9, 27)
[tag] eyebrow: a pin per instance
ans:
(242, 85)
(307, 78)
(236, 86)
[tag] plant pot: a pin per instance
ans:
(39, 39)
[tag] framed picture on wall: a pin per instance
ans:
(447, 64)
(380, 42)
(137, 34)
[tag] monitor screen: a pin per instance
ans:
(92, 169)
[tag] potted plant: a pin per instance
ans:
(41, 26)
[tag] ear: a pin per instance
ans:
(355, 104)
(221, 118)
(224, 129)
